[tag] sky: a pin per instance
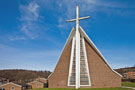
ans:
(33, 32)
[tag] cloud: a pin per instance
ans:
(30, 12)
(87, 7)
(91, 6)
(30, 19)
(16, 38)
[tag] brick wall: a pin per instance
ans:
(130, 75)
(36, 84)
(9, 86)
(43, 80)
(100, 74)
(59, 78)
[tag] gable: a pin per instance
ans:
(95, 49)
(66, 45)
(16, 85)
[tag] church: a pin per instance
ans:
(81, 65)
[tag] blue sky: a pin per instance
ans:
(33, 32)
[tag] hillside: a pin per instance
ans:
(125, 70)
(23, 76)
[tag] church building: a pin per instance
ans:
(81, 65)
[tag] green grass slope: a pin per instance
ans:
(128, 84)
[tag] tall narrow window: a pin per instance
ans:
(84, 72)
(83, 67)
(72, 69)
(73, 73)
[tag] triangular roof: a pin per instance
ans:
(35, 81)
(11, 83)
(96, 49)
(82, 32)
(67, 43)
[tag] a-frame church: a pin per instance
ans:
(81, 65)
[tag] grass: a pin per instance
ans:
(82, 89)
(128, 84)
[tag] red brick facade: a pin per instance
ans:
(11, 86)
(101, 75)
(43, 80)
(59, 77)
(130, 75)
(36, 84)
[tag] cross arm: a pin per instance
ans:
(72, 20)
(84, 17)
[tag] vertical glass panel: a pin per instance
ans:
(73, 71)
(84, 80)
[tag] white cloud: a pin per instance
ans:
(90, 6)
(30, 19)
(16, 38)
(29, 12)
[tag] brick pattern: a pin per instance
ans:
(43, 80)
(100, 74)
(59, 78)
(36, 84)
(8, 87)
(130, 75)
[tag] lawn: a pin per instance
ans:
(83, 89)
(128, 84)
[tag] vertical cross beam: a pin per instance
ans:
(77, 37)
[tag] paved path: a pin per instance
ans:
(129, 87)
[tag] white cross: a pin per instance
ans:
(77, 41)
(77, 17)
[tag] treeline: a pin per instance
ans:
(23, 76)
(125, 70)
